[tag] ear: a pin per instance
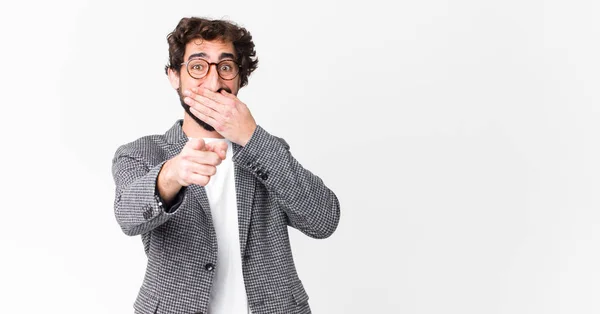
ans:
(173, 78)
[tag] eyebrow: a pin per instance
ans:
(224, 55)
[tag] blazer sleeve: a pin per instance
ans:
(138, 206)
(311, 206)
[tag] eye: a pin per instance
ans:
(197, 67)
(226, 66)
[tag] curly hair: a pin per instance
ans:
(190, 28)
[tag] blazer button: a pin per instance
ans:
(148, 213)
(209, 266)
(264, 176)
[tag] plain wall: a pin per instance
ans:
(461, 138)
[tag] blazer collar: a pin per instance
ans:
(175, 134)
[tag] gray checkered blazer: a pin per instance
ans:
(273, 191)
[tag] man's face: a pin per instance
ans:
(213, 52)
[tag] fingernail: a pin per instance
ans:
(186, 92)
(186, 100)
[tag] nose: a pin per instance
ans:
(212, 81)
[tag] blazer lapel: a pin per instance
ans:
(244, 192)
(200, 194)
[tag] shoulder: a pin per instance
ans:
(150, 149)
(283, 142)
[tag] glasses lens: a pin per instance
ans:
(197, 68)
(227, 69)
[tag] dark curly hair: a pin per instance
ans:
(190, 28)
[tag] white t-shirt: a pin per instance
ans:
(228, 294)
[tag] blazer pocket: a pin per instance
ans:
(146, 303)
(300, 295)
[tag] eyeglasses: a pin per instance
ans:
(198, 68)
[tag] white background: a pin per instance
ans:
(461, 138)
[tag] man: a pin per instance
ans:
(212, 197)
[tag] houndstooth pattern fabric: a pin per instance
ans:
(273, 192)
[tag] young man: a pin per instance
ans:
(212, 197)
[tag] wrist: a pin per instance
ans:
(248, 136)
(167, 177)
(167, 184)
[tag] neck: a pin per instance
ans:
(193, 129)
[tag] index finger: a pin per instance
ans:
(220, 148)
(196, 143)
(217, 97)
